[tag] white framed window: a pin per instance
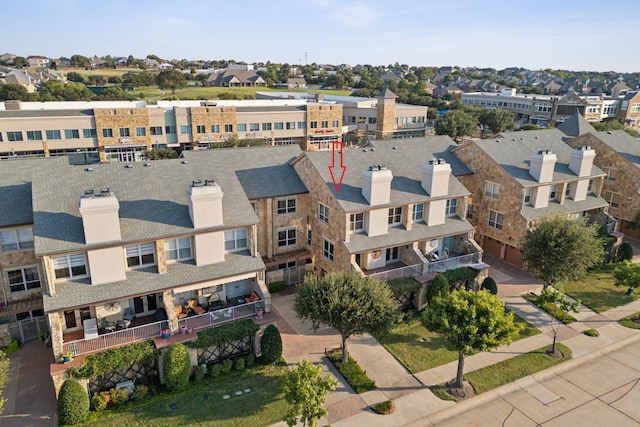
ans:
(242, 127)
(235, 240)
(323, 213)
(612, 198)
(141, 131)
(527, 195)
(228, 128)
(286, 236)
(278, 126)
(254, 127)
(356, 222)
(72, 134)
(491, 189)
(553, 190)
(567, 190)
(418, 212)
(495, 220)
(214, 129)
(140, 255)
(286, 206)
(74, 265)
(328, 250)
(470, 209)
(201, 128)
(23, 279)
(590, 187)
(452, 206)
(395, 215)
(156, 130)
(392, 254)
(125, 132)
(611, 174)
(34, 135)
(178, 249)
(18, 239)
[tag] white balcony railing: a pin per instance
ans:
(452, 263)
(398, 273)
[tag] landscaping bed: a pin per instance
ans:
(632, 321)
(352, 373)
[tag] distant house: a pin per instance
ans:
(296, 83)
(7, 58)
(120, 61)
(236, 78)
(151, 63)
(390, 76)
(18, 78)
(63, 61)
(165, 66)
(38, 61)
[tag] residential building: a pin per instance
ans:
(236, 78)
(520, 178)
(629, 109)
(36, 61)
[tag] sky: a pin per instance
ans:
(575, 35)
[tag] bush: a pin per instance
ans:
(119, 396)
(99, 401)
(383, 408)
(276, 286)
(215, 370)
(439, 287)
(197, 373)
(352, 372)
(226, 366)
(176, 368)
(73, 403)
(13, 346)
(238, 364)
(271, 345)
(140, 391)
(490, 285)
(250, 360)
(625, 252)
(591, 333)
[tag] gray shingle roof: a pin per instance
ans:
(15, 190)
(569, 206)
(513, 151)
(576, 125)
(404, 158)
(45, 113)
(620, 141)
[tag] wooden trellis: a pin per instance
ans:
(214, 354)
(147, 370)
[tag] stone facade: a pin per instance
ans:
(271, 222)
(385, 123)
(319, 113)
(208, 117)
(121, 118)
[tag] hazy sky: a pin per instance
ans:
(567, 34)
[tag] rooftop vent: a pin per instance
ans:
(609, 132)
(105, 192)
(208, 182)
(373, 149)
(88, 169)
(395, 148)
(535, 137)
(146, 164)
(128, 166)
(185, 162)
(365, 150)
(514, 139)
(196, 183)
(88, 193)
(521, 139)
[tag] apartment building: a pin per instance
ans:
(520, 178)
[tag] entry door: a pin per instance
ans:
(138, 305)
(152, 303)
(70, 319)
(126, 157)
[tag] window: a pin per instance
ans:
(235, 240)
(89, 133)
(286, 236)
(291, 125)
(452, 205)
(356, 222)
(106, 133)
(214, 129)
(495, 220)
(590, 187)
(170, 129)
(323, 213)
(552, 192)
(527, 195)
(286, 206)
(470, 209)
(155, 130)
(491, 189)
(302, 125)
(328, 250)
(611, 174)
(178, 249)
(69, 266)
(202, 128)
(324, 124)
(418, 212)
(125, 132)
(140, 255)
(314, 125)
(15, 136)
(18, 239)
(335, 123)
(351, 119)
(72, 134)
(395, 216)
(567, 190)
(0, 136)
(278, 126)
(612, 198)
(309, 236)
(266, 126)
(228, 128)
(53, 134)
(34, 135)
(140, 131)
(392, 254)
(242, 127)
(185, 130)
(254, 127)
(23, 279)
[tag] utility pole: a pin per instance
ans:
(305, 58)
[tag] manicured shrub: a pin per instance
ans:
(250, 360)
(238, 364)
(625, 252)
(271, 345)
(215, 370)
(176, 368)
(490, 284)
(99, 401)
(119, 396)
(73, 403)
(13, 346)
(197, 373)
(383, 408)
(226, 366)
(439, 287)
(353, 373)
(591, 333)
(140, 391)
(276, 286)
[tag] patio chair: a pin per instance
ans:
(129, 314)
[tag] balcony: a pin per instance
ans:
(452, 262)
(395, 271)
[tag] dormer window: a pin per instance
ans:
(356, 222)
(552, 192)
(527, 196)
(418, 212)
(452, 206)
(395, 216)
(140, 255)
(18, 239)
(235, 240)
(178, 249)
(74, 265)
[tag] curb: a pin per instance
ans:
(444, 414)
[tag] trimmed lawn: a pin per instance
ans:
(553, 310)
(598, 292)
(632, 321)
(419, 349)
(203, 405)
(513, 369)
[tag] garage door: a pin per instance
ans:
(513, 256)
(492, 246)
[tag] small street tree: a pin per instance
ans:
(497, 120)
(555, 302)
(471, 322)
(306, 390)
(171, 79)
(627, 274)
(347, 302)
(456, 124)
(561, 249)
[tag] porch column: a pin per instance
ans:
(55, 327)
(170, 308)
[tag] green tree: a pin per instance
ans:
(4, 377)
(305, 389)
(470, 322)
(79, 61)
(490, 285)
(456, 124)
(75, 77)
(270, 345)
(161, 154)
(114, 80)
(171, 79)
(561, 249)
(14, 91)
(131, 61)
(439, 287)
(627, 274)
(96, 80)
(176, 367)
(497, 120)
(349, 303)
(20, 62)
(555, 302)
(109, 61)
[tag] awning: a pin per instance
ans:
(286, 257)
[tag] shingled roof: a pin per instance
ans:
(576, 125)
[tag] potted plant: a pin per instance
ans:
(166, 333)
(67, 357)
(44, 335)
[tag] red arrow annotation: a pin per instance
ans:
(336, 182)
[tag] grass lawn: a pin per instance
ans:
(420, 349)
(565, 318)
(513, 369)
(203, 404)
(598, 292)
(632, 321)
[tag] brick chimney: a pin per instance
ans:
(581, 160)
(376, 185)
(205, 203)
(100, 218)
(542, 165)
(435, 177)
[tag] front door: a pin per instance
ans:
(152, 303)
(138, 305)
(70, 319)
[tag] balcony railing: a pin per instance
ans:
(452, 263)
(398, 273)
(154, 330)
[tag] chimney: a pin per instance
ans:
(376, 185)
(542, 165)
(100, 218)
(435, 177)
(581, 160)
(205, 203)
